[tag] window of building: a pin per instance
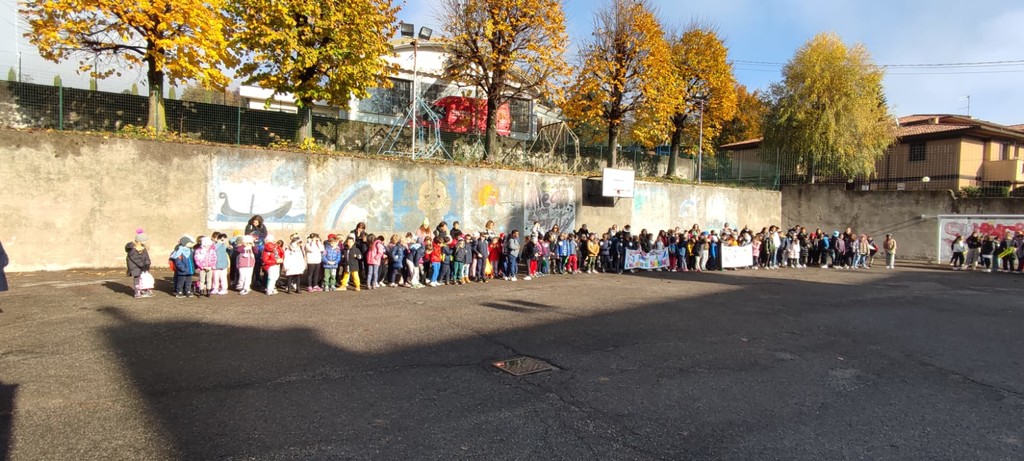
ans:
(1007, 149)
(519, 110)
(388, 101)
(917, 152)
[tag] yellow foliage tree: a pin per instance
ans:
(326, 50)
(625, 71)
(703, 89)
(507, 48)
(174, 40)
(746, 124)
(828, 117)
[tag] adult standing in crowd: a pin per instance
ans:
(890, 252)
(257, 228)
(3, 263)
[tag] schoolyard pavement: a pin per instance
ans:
(913, 363)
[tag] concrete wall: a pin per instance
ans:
(74, 200)
(909, 215)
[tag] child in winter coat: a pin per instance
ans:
(458, 262)
(294, 264)
(331, 259)
(245, 261)
(414, 261)
(206, 261)
(396, 260)
(220, 270)
(314, 250)
(138, 263)
(273, 255)
(181, 261)
(353, 256)
(374, 255)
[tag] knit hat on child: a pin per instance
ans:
(140, 236)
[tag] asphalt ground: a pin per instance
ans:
(913, 363)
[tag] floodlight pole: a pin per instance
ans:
(700, 142)
(415, 92)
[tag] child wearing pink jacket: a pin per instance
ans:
(206, 261)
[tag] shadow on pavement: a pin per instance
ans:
(768, 368)
(7, 394)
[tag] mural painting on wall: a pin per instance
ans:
(367, 200)
(688, 212)
(651, 207)
(489, 199)
(431, 198)
(550, 200)
(718, 208)
(242, 187)
(949, 228)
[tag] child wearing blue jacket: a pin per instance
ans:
(331, 259)
(184, 267)
(396, 259)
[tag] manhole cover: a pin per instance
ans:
(523, 366)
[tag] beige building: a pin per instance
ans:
(933, 152)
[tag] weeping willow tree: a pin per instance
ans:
(828, 117)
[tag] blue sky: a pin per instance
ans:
(895, 31)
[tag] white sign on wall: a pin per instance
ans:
(618, 183)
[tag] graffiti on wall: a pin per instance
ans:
(488, 198)
(551, 201)
(240, 188)
(949, 228)
(366, 200)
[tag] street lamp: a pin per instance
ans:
(925, 180)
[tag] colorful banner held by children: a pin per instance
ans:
(734, 257)
(656, 259)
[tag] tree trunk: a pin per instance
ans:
(491, 121)
(157, 119)
(304, 124)
(613, 144)
(678, 122)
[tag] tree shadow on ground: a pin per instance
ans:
(691, 377)
(7, 394)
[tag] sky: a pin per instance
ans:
(763, 34)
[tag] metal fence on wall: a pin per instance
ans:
(30, 105)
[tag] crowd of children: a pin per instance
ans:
(360, 260)
(988, 253)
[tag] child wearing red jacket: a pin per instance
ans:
(273, 256)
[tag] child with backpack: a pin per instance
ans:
(182, 264)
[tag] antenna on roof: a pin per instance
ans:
(968, 98)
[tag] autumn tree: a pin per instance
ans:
(625, 69)
(746, 124)
(703, 96)
(175, 40)
(316, 51)
(828, 115)
(507, 49)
